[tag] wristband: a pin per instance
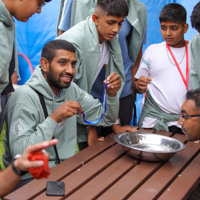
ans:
(17, 172)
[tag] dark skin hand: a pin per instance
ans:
(66, 110)
(8, 177)
(114, 84)
(142, 83)
(70, 108)
(126, 128)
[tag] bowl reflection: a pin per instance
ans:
(148, 146)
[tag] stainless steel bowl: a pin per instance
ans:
(148, 146)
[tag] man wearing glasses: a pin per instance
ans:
(190, 115)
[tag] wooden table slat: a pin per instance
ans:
(184, 182)
(131, 181)
(104, 171)
(38, 186)
(160, 180)
(89, 170)
(93, 188)
(135, 178)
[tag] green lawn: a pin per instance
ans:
(2, 145)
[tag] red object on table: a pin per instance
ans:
(39, 172)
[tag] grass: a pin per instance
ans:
(2, 145)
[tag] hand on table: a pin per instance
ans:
(121, 129)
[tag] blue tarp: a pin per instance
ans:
(32, 35)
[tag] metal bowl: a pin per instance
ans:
(148, 146)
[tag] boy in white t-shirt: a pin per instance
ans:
(164, 73)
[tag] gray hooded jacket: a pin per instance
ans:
(26, 123)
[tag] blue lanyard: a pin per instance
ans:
(102, 100)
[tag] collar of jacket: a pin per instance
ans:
(5, 16)
(133, 15)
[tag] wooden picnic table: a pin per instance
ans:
(104, 171)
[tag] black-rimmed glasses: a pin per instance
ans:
(189, 116)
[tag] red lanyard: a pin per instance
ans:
(177, 65)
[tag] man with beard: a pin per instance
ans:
(131, 36)
(64, 102)
(98, 54)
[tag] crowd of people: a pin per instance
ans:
(86, 83)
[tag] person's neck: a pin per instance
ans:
(100, 41)
(55, 90)
(179, 45)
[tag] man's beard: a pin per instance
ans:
(57, 82)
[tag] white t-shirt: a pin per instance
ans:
(104, 58)
(167, 87)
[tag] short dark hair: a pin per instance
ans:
(117, 8)
(173, 12)
(49, 49)
(195, 96)
(195, 17)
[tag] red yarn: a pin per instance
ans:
(39, 172)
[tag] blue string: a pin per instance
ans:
(102, 100)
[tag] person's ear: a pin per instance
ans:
(95, 19)
(186, 26)
(44, 64)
